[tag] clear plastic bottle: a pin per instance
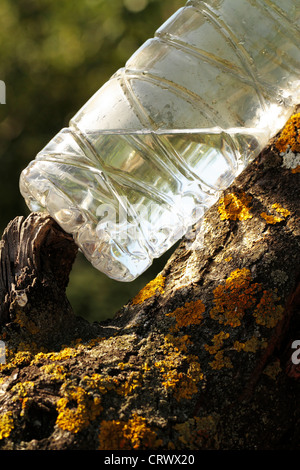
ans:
(150, 151)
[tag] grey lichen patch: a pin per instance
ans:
(290, 160)
(279, 277)
(113, 348)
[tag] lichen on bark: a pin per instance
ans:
(199, 359)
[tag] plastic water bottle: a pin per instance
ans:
(145, 157)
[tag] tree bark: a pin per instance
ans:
(202, 358)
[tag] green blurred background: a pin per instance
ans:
(53, 56)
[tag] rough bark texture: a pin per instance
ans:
(200, 359)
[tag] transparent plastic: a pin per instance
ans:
(146, 156)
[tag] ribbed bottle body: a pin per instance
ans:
(151, 150)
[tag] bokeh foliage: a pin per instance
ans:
(53, 56)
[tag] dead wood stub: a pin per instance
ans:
(36, 257)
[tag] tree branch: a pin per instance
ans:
(201, 358)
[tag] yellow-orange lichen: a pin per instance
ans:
(23, 388)
(281, 210)
(133, 380)
(56, 372)
(251, 345)
(220, 360)
(111, 435)
(296, 170)
(189, 314)
(233, 299)
(76, 409)
(217, 341)
(290, 136)
(133, 434)
(273, 219)
(99, 382)
(240, 294)
(195, 431)
(65, 353)
(180, 342)
(154, 286)
(183, 384)
(16, 359)
(235, 207)
(268, 313)
(6, 424)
